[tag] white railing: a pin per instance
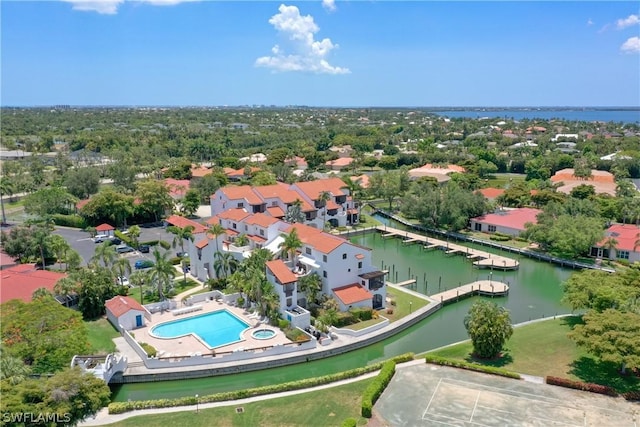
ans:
(191, 309)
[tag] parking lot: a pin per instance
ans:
(81, 242)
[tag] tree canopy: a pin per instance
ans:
(489, 328)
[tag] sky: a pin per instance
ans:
(324, 53)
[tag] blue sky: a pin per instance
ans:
(331, 53)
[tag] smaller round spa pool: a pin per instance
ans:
(263, 334)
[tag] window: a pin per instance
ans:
(360, 264)
(344, 256)
(492, 229)
(478, 226)
(324, 258)
(274, 203)
(246, 228)
(324, 273)
(234, 225)
(623, 254)
(240, 204)
(307, 251)
(261, 232)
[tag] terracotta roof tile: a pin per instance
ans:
(318, 239)
(513, 218)
(237, 214)
(182, 222)
(276, 212)
(625, 234)
(202, 243)
(312, 189)
(261, 220)
(281, 271)
(238, 192)
(491, 193)
(20, 281)
(105, 227)
(119, 305)
(351, 294)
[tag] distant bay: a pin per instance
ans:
(624, 115)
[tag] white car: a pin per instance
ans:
(101, 238)
(123, 281)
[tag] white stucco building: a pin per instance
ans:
(125, 313)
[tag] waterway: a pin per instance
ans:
(627, 115)
(535, 292)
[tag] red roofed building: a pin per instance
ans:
(507, 221)
(6, 261)
(105, 229)
(491, 193)
(603, 182)
(621, 242)
(125, 313)
(22, 280)
(340, 163)
(352, 295)
(177, 187)
(182, 222)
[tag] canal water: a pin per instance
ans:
(535, 292)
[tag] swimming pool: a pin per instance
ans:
(215, 329)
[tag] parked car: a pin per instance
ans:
(123, 249)
(144, 249)
(101, 238)
(142, 264)
(115, 241)
(123, 281)
(182, 254)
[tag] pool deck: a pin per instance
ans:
(189, 345)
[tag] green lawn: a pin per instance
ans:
(327, 407)
(500, 180)
(101, 335)
(405, 304)
(544, 349)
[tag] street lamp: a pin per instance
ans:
(410, 304)
(197, 402)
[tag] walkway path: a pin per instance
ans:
(484, 259)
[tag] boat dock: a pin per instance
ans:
(481, 287)
(480, 259)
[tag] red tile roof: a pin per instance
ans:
(596, 176)
(200, 171)
(239, 192)
(283, 274)
(261, 220)
(513, 218)
(119, 305)
(182, 222)
(257, 239)
(491, 193)
(236, 214)
(312, 189)
(626, 234)
(105, 227)
(351, 294)
(341, 162)
(276, 212)
(6, 260)
(202, 243)
(318, 239)
(81, 204)
(20, 281)
(177, 187)
(364, 180)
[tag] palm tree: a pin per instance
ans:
(140, 278)
(294, 212)
(290, 245)
(6, 188)
(122, 267)
(323, 198)
(66, 286)
(42, 239)
(216, 230)
(269, 301)
(355, 190)
(225, 265)
(41, 293)
(59, 246)
(162, 272)
(106, 253)
(610, 245)
(311, 285)
(182, 233)
(13, 369)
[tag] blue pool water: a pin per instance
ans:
(215, 329)
(263, 334)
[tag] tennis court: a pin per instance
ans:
(429, 395)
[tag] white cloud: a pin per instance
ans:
(632, 45)
(329, 5)
(589, 22)
(308, 53)
(110, 7)
(107, 7)
(629, 21)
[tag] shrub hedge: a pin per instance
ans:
(350, 422)
(632, 395)
(74, 221)
(151, 350)
(375, 389)
(472, 366)
(124, 237)
(165, 245)
(362, 313)
(121, 407)
(579, 385)
(499, 238)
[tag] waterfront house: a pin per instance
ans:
(621, 242)
(603, 182)
(505, 221)
(22, 280)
